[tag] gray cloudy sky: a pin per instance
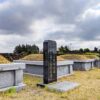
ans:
(75, 22)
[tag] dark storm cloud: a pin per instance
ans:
(18, 18)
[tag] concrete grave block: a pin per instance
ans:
(64, 68)
(62, 86)
(97, 63)
(11, 75)
(83, 65)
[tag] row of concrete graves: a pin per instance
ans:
(11, 75)
(64, 68)
(50, 69)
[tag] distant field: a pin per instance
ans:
(3, 60)
(89, 88)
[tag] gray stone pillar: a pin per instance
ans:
(50, 61)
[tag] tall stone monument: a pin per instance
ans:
(50, 61)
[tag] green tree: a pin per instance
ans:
(66, 49)
(61, 50)
(18, 49)
(26, 49)
(81, 50)
(95, 49)
(86, 50)
(34, 49)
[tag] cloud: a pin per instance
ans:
(89, 24)
(4, 6)
(61, 20)
(17, 17)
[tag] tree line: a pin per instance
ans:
(23, 50)
(34, 49)
(66, 49)
(26, 49)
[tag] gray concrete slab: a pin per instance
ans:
(12, 66)
(11, 75)
(88, 60)
(59, 63)
(62, 86)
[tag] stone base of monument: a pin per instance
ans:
(42, 85)
(63, 86)
(60, 86)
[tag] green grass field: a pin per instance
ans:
(89, 88)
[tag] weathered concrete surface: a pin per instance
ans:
(64, 68)
(97, 63)
(62, 86)
(11, 75)
(83, 65)
(18, 87)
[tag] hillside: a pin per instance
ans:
(78, 56)
(3, 60)
(38, 57)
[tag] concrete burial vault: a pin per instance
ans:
(64, 68)
(84, 65)
(11, 76)
(97, 63)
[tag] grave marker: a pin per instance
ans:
(50, 61)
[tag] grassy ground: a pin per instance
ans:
(38, 57)
(89, 88)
